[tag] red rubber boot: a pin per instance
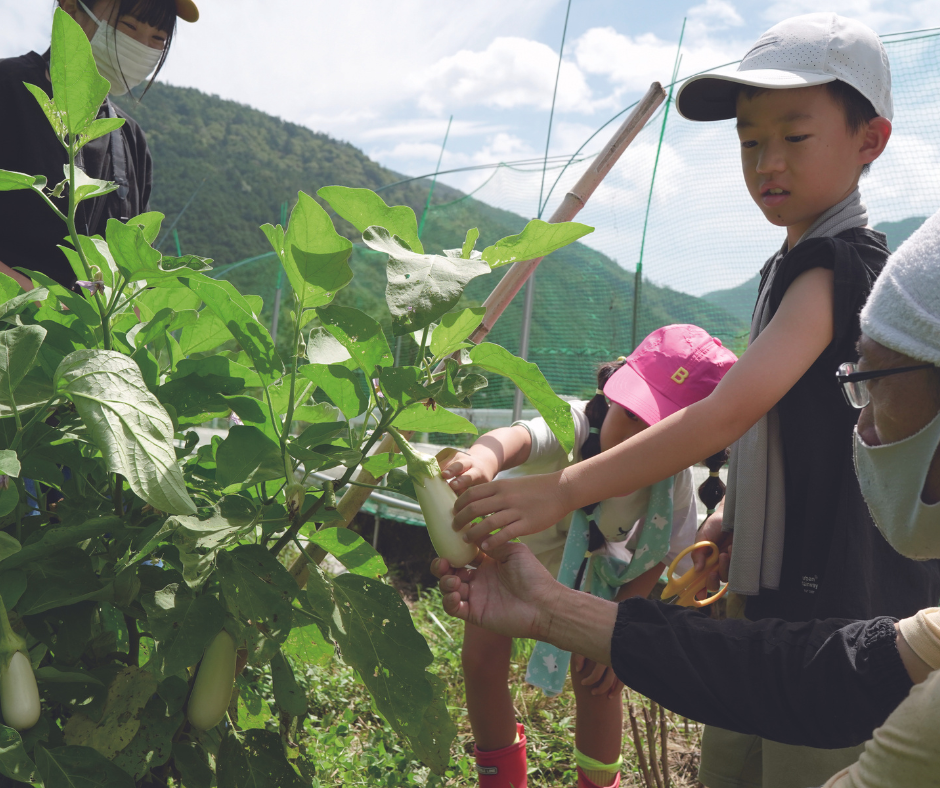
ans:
(503, 768)
(584, 782)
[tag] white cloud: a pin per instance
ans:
(511, 72)
(632, 63)
(884, 16)
(713, 15)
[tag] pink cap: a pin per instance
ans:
(672, 368)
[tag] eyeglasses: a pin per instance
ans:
(854, 383)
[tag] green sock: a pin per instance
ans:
(597, 772)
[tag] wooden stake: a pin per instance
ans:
(664, 745)
(651, 743)
(638, 745)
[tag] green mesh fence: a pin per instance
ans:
(705, 240)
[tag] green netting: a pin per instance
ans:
(705, 239)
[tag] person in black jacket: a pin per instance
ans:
(130, 40)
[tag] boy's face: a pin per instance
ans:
(798, 155)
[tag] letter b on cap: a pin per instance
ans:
(679, 375)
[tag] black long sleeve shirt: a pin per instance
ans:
(825, 684)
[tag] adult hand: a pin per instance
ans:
(511, 507)
(600, 678)
(710, 531)
(509, 592)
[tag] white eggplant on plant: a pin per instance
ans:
(19, 695)
(436, 499)
(215, 681)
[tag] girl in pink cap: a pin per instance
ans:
(629, 540)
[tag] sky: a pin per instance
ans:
(388, 76)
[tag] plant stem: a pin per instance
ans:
(133, 639)
(73, 233)
(21, 432)
(117, 495)
(424, 344)
(289, 416)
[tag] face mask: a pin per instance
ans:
(121, 60)
(892, 477)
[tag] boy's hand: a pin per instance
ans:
(475, 466)
(711, 532)
(513, 507)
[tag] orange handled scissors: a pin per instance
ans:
(682, 590)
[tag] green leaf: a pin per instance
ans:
(9, 287)
(324, 348)
(257, 585)
(238, 318)
(248, 456)
(403, 385)
(153, 744)
(98, 128)
(12, 586)
(207, 333)
(157, 327)
(182, 624)
(538, 239)
(421, 287)
(77, 87)
(341, 385)
(377, 637)
(14, 762)
(432, 742)
(288, 694)
(9, 463)
(49, 109)
(192, 760)
(352, 551)
(76, 304)
(257, 761)
(363, 207)
(320, 432)
(130, 249)
(128, 425)
(18, 350)
(11, 181)
(360, 334)
(59, 579)
(86, 187)
(419, 418)
(398, 481)
(469, 242)
(9, 498)
(8, 545)
(321, 413)
(308, 645)
(380, 464)
(79, 767)
(454, 328)
(315, 257)
(51, 675)
(530, 380)
(16, 305)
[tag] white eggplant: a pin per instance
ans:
(215, 680)
(436, 499)
(19, 695)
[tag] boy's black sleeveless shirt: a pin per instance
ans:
(836, 563)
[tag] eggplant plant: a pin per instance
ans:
(138, 565)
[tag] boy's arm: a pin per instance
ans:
(496, 451)
(796, 336)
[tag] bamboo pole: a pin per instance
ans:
(576, 198)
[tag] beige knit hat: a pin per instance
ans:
(903, 311)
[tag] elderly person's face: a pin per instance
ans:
(901, 405)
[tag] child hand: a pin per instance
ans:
(711, 532)
(513, 507)
(466, 469)
(600, 678)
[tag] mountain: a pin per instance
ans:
(739, 301)
(231, 167)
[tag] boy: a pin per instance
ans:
(813, 106)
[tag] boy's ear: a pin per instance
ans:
(874, 139)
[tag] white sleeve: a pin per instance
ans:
(545, 449)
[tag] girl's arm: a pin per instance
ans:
(23, 281)
(641, 585)
(796, 336)
(496, 451)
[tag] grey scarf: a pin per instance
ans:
(755, 508)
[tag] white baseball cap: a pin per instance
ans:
(799, 52)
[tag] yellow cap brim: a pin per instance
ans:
(186, 10)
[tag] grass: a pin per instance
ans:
(343, 741)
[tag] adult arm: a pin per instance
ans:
(799, 332)
(825, 684)
(25, 282)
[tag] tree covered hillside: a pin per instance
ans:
(251, 162)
